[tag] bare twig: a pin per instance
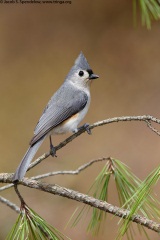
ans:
(10, 204)
(19, 196)
(64, 172)
(91, 201)
(71, 172)
(38, 160)
(6, 187)
(152, 128)
(75, 172)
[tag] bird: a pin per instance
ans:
(63, 113)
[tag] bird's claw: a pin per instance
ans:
(86, 127)
(52, 151)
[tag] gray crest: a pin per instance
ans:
(80, 64)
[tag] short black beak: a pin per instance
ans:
(93, 76)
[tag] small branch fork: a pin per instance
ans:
(57, 190)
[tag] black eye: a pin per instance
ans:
(81, 73)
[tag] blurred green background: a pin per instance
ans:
(38, 46)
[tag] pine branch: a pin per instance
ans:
(57, 190)
(80, 197)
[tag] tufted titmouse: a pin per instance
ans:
(64, 111)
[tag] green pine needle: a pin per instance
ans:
(30, 226)
(126, 184)
(143, 201)
(100, 191)
(150, 9)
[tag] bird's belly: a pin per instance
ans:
(70, 125)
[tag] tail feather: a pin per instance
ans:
(24, 164)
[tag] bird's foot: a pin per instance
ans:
(52, 149)
(86, 127)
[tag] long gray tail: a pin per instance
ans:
(24, 164)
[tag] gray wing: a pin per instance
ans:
(59, 109)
